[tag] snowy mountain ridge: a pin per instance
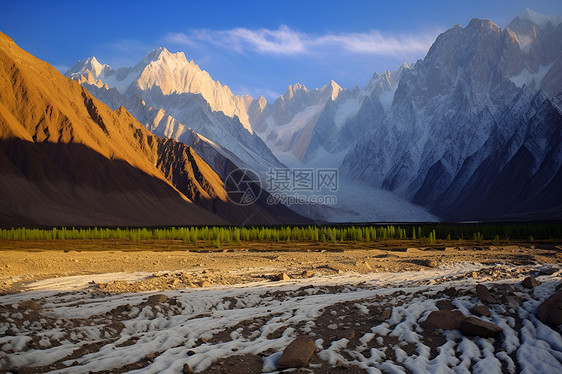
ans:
(174, 97)
(445, 129)
(477, 118)
(172, 73)
(539, 19)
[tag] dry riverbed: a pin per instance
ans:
(161, 265)
(168, 307)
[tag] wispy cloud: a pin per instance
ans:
(178, 38)
(377, 43)
(285, 41)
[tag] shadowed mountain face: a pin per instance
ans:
(475, 128)
(68, 159)
(69, 184)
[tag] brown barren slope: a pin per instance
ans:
(67, 159)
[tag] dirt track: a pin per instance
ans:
(200, 266)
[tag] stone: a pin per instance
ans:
(510, 301)
(550, 311)
(156, 299)
(431, 263)
(548, 271)
(297, 354)
(29, 305)
(282, 277)
(473, 326)
(386, 313)
(444, 319)
(481, 310)
(186, 369)
(307, 274)
(450, 291)
(350, 334)
(484, 295)
(530, 282)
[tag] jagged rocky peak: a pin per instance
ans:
(483, 24)
(463, 122)
(538, 19)
(293, 89)
(88, 65)
(262, 102)
(388, 81)
(161, 54)
(332, 89)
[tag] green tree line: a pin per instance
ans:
(425, 233)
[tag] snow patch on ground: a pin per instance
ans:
(263, 318)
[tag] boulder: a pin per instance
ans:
(450, 291)
(282, 277)
(548, 271)
(481, 310)
(550, 311)
(530, 282)
(156, 299)
(473, 326)
(510, 301)
(29, 305)
(431, 263)
(484, 295)
(444, 319)
(186, 369)
(297, 354)
(307, 274)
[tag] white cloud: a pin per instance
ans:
(285, 41)
(178, 38)
(376, 43)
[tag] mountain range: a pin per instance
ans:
(68, 159)
(174, 98)
(473, 131)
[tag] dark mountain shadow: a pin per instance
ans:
(70, 184)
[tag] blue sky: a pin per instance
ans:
(255, 47)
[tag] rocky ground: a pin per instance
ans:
(174, 265)
(471, 309)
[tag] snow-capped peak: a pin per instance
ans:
(333, 88)
(90, 64)
(155, 54)
(539, 19)
(292, 89)
(177, 59)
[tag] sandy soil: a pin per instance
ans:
(173, 264)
